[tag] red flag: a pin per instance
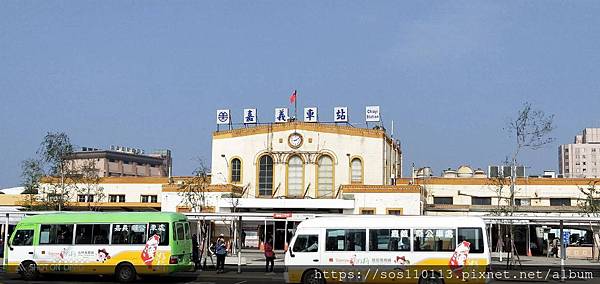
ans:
(293, 97)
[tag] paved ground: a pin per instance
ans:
(253, 272)
(209, 278)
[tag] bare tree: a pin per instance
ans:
(590, 204)
(193, 196)
(530, 129)
(590, 207)
(501, 186)
(193, 190)
(88, 184)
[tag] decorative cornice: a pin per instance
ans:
(317, 127)
(494, 181)
(362, 188)
(210, 188)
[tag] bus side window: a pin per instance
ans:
(126, 234)
(389, 240)
(434, 239)
(346, 240)
(306, 243)
(162, 230)
(23, 238)
(473, 236)
(56, 234)
(83, 234)
(100, 234)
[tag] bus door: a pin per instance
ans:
(307, 248)
(21, 245)
(182, 247)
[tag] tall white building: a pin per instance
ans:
(304, 166)
(581, 159)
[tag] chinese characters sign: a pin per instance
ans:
(340, 114)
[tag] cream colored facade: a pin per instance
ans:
(312, 167)
(380, 157)
(485, 196)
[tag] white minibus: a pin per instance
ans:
(389, 249)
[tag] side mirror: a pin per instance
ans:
(291, 253)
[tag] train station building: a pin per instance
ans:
(294, 170)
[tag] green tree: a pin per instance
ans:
(54, 168)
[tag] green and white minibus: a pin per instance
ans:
(123, 244)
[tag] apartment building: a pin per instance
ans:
(581, 159)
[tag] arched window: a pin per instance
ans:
(325, 176)
(236, 171)
(295, 176)
(265, 176)
(357, 170)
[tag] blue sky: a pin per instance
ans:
(150, 74)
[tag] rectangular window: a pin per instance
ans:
(23, 238)
(116, 198)
(473, 236)
(367, 211)
(443, 200)
(523, 202)
(306, 243)
(56, 234)
(149, 199)
(346, 240)
(434, 240)
(179, 231)
(560, 202)
(162, 231)
(396, 212)
(86, 234)
(481, 200)
(389, 240)
(186, 227)
(85, 198)
(129, 234)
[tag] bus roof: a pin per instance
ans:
(102, 217)
(390, 221)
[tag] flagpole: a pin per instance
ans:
(296, 105)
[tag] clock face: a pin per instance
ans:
(295, 140)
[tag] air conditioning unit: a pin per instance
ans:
(493, 171)
(506, 171)
(520, 171)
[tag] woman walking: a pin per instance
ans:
(269, 256)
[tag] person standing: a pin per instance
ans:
(195, 250)
(269, 256)
(221, 252)
(555, 247)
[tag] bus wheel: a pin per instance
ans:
(28, 271)
(125, 273)
(312, 276)
(431, 278)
